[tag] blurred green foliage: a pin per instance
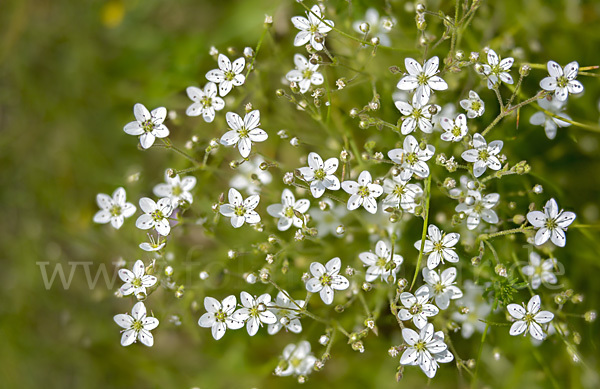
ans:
(70, 71)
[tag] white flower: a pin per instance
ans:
(177, 189)
(205, 102)
(401, 194)
(312, 29)
(378, 27)
(482, 155)
(416, 114)
(477, 308)
(422, 78)
(136, 281)
(550, 123)
(299, 360)
(240, 210)
(497, 68)
(305, 73)
(254, 312)
(137, 326)
(425, 349)
(320, 175)
(113, 210)
(156, 215)
(250, 176)
(228, 75)
(154, 245)
(529, 319)
(539, 271)
(286, 211)
(474, 106)
(456, 129)
(326, 278)
(477, 208)
(286, 318)
(439, 246)
(147, 124)
(218, 316)
(381, 264)
(362, 192)
(243, 133)
(442, 286)
(417, 307)
(552, 224)
(562, 82)
(412, 159)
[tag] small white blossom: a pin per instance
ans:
(477, 207)
(205, 102)
(325, 279)
(136, 280)
(156, 215)
(483, 155)
(562, 82)
(177, 189)
(287, 314)
(552, 224)
(137, 326)
(320, 175)
(363, 192)
(442, 286)
(381, 264)
(243, 132)
(497, 69)
(254, 312)
(416, 115)
(529, 319)
(401, 194)
(550, 123)
(147, 124)
(311, 28)
(154, 244)
(218, 316)
(298, 360)
(286, 211)
(539, 271)
(474, 106)
(439, 246)
(455, 129)
(425, 349)
(412, 159)
(113, 209)
(416, 307)
(422, 78)
(305, 73)
(239, 210)
(228, 75)
(378, 26)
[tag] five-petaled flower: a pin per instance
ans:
(425, 349)
(439, 246)
(243, 132)
(412, 158)
(149, 125)
(205, 102)
(326, 279)
(422, 78)
(381, 264)
(551, 123)
(176, 188)
(416, 115)
(363, 192)
(254, 312)
(136, 280)
(113, 209)
(312, 29)
(218, 316)
(287, 314)
(477, 207)
(137, 326)
(562, 82)
(497, 69)
(320, 174)
(539, 271)
(417, 307)
(473, 105)
(441, 286)
(529, 319)
(552, 224)
(227, 75)
(156, 215)
(239, 210)
(288, 210)
(305, 73)
(297, 360)
(483, 155)
(454, 130)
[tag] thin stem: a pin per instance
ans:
(510, 109)
(517, 230)
(477, 362)
(424, 232)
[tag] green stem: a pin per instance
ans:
(424, 232)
